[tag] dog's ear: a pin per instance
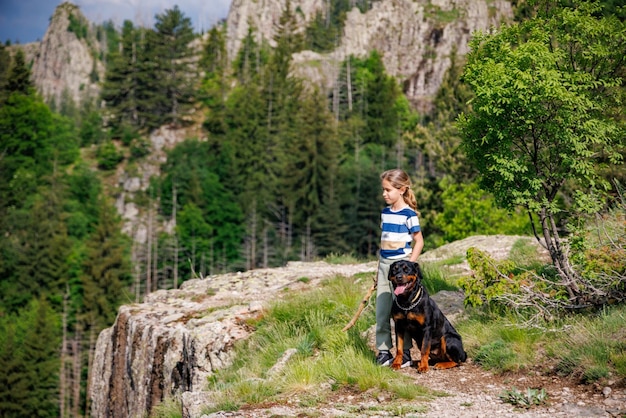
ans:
(418, 269)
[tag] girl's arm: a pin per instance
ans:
(418, 244)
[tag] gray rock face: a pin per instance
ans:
(416, 38)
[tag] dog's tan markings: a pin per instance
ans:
(397, 361)
(411, 316)
(445, 365)
(425, 353)
(398, 316)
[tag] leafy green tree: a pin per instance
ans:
(214, 56)
(373, 98)
(5, 65)
(109, 156)
(468, 211)
(33, 140)
(198, 181)
(195, 236)
(214, 62)
(543, 117)
(381, 92)
(251, 57)
(13, 384)
(360, 196)
(83, 202)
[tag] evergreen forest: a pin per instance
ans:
(286, 171)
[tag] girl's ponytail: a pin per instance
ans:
(409, 199)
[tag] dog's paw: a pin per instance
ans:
(423, 367)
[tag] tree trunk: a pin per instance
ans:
(62, 372)
(252, 262)
(92, 349)
(560, 260)
(349, 84)
(76, 370)
(174, 204)
(265, 247)
(149, 253)
(155, 256)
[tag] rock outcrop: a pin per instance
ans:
(416, 38)
(168, 345)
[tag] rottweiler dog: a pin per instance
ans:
(439, 343)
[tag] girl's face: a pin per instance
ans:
(392, 195)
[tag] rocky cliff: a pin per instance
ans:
(416, 38)
(66, 62)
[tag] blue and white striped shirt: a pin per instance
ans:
(397, 232)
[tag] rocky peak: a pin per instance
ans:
(66, 61)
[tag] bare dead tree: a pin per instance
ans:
(174, 206)
(63, 372)
(149, 252)
(77, 363)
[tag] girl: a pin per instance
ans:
(400, 226)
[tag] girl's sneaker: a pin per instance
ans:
(384, 358)
(406, 359)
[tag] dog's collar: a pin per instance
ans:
(414, 302)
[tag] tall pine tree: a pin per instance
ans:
(121, 87)
(106, 271)
(174, 75)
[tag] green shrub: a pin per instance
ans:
(532, 397)
(139, 147)
(108, 156)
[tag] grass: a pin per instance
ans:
(588, 348)
(435, 279)
(326, 356)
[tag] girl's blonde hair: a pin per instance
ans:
(399, 179)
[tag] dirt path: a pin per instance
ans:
(463, 392)
(475, 392)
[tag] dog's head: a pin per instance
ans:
(405, 276)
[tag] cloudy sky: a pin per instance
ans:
(26, 21)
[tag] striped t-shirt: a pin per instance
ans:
(397, 232)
